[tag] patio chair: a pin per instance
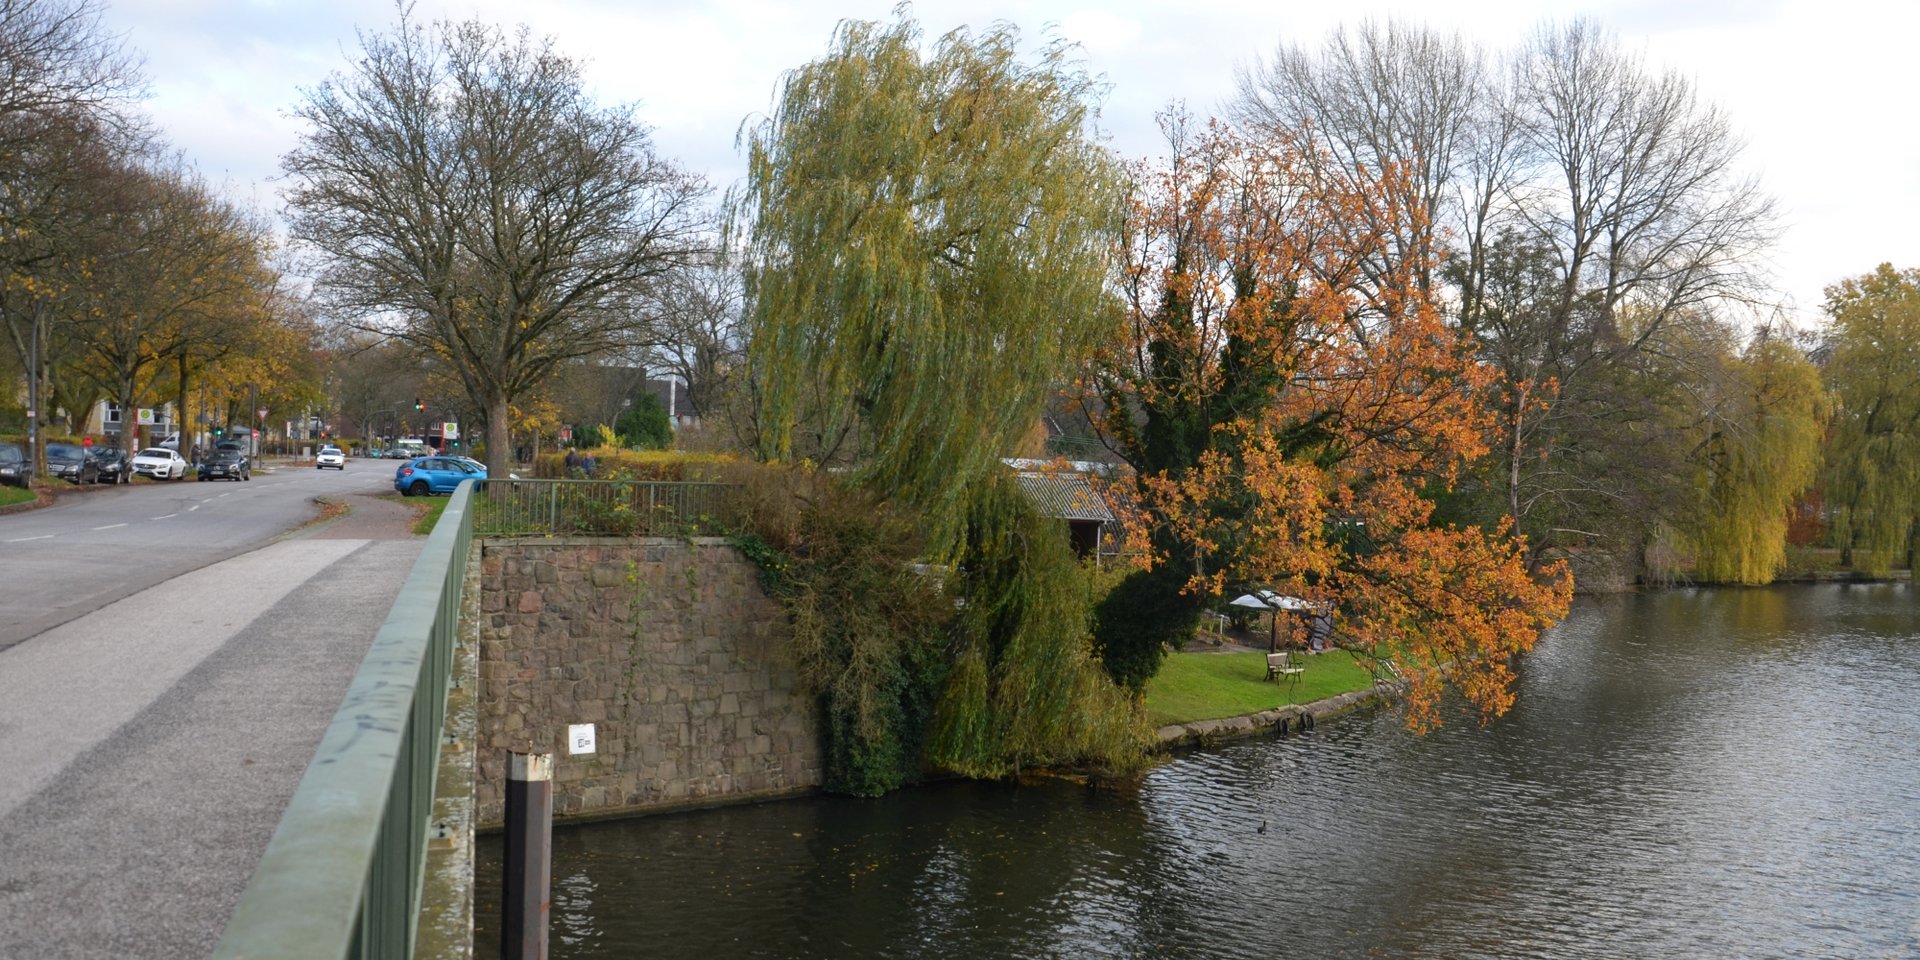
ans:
(1282, 664)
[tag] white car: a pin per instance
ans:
(160, 464)
(330, 457)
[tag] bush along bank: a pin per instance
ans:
(979, 666)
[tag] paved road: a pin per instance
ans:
(96, 547)
(151, 738)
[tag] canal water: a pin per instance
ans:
(1688, 773)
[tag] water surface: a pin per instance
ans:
(1690, 773)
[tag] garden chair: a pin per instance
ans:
(1283, 664)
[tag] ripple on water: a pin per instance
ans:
(1708, 773)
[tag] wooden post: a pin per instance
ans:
(529, 863)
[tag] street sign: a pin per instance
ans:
(261, 413)
(146, 416)
(450, 431)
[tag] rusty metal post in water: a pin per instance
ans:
(527, 897)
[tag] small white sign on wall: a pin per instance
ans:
(579, 738)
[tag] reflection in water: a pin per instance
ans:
(1725, 773)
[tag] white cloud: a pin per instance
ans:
(1816, 88)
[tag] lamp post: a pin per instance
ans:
(33, 390)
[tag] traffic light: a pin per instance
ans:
(216, 431)
(417, 405)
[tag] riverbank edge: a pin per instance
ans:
(1293, 717)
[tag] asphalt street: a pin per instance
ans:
(154, 727)
(91, 549)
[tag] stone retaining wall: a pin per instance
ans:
(669, 647)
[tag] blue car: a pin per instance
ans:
(424, 475)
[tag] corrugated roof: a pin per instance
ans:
(1065, 497)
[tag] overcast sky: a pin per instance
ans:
(1820, 91)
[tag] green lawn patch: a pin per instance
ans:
(431, 515)
(12, 495)
(1208, 686)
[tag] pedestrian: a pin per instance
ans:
(588, 463)
(573, 463)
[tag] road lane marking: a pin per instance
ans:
(110, 526)
(223, 494)
(193, 508)
(44, 536)
(168, 515)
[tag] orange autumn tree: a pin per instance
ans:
(1285, 404)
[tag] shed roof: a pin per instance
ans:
(1067, 497)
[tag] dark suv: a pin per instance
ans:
(13, 465)
(69, 462)
(226, 464)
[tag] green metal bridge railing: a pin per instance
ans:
(341, 877)
(515, 508)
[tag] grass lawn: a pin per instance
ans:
(1208, 686)
(10, 495)
(431, 515)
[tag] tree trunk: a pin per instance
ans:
(499, 436)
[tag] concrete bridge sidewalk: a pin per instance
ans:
(150, 747)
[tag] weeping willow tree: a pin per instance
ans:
(1025, 688)
(1873, 450)
(1763, 450)
(928, 241)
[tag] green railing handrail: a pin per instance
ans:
(341, 877)
(545, 506)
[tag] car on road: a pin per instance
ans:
(424, 475)
(69, 462)
(226, 465)
(111, 465)
(13, 465)
(160, 464)
(330, 457)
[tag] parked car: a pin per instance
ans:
(160, 464)
(423, 475)
(69, 462)
(110, 465)
(14, 470)
(330, 457)
(226, 465)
